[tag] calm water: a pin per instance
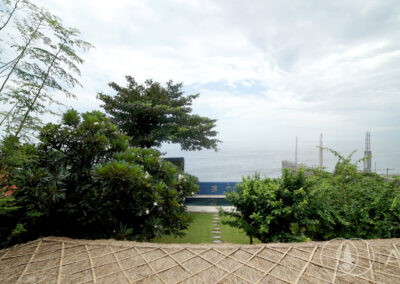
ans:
(234, 160)
(207, 202)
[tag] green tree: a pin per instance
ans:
(151, 114)
(83, 180)
(353, 204)
(317, 206)
(45, 63)
(271, 209)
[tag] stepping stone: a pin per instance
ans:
(216, 237)
(216, 228)
(217, 242)
(216, 218)
(216, 232)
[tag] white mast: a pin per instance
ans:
(367, 153)
(295, 155)
(321, 158)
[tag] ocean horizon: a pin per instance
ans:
(233, 161)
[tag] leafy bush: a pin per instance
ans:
(83, 180)
(12, 157)
(151, 189)
(353, 204)
(271, 209)
(7, 207)
(319, 206)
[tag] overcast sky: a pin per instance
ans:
(267, 70)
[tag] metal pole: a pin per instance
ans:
(320, 152)
(295, 155)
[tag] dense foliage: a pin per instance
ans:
(83, 180)
(348, 203)
(270, 209)
(152, 114)
(317, 206)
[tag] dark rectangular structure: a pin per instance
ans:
(215, 188)
(211, 194)
(177, 161)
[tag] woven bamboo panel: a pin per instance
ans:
(63, 260)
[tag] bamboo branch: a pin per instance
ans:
(10, 16)
(38, 93)
(8, 114)
(21, 55)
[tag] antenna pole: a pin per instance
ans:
(367, 153)
(321, 158)
(295, 155)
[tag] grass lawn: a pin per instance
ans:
(198, 232)
(200, 229)
(235, 235)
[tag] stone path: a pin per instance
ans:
(216, 231)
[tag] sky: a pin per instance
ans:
(266, 70)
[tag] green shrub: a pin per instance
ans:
(319, 206)
(271, 209)
(84, 181)
(151, 189)
(13, 155)
(352, 204)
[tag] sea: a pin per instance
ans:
(235, 160)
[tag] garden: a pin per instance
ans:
(96, 174)
(100, 174)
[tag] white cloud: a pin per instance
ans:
(322, 66)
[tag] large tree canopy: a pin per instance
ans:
(81, 179)
(152, 114)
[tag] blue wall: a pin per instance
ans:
(215, 188)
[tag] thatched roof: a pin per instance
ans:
(63, 260)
